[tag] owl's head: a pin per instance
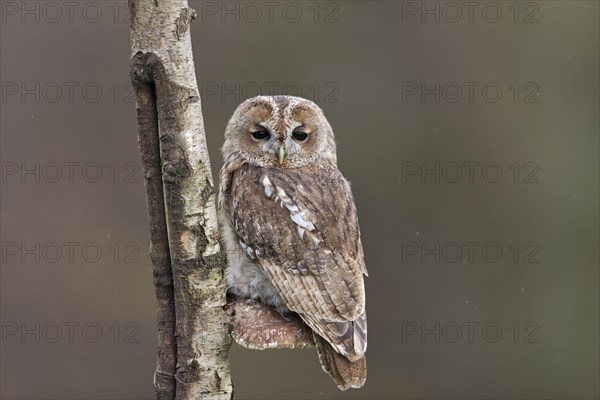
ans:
(279, 131)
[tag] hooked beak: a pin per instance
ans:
(281, 154)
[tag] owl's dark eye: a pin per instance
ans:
(300, 136)
(260, 135)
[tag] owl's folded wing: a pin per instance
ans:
(301, 228)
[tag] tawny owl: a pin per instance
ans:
(290, 227)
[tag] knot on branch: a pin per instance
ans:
(188, 372)
(182, 23)
(141, 67)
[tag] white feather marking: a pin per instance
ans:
(268, 186)
(292, 208)
(297, 218)
(283, 196)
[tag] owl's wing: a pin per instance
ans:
(301, 228)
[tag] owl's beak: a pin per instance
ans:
(281, 154)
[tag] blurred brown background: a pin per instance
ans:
(81, 324)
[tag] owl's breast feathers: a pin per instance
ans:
(301, 228)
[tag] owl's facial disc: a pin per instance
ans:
(280, 131)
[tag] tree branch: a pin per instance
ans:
(171, 126)
(164, 377)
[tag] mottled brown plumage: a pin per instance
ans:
(290, 227)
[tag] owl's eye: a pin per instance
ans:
(300, 136)
(260, 135)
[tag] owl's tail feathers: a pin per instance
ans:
(345, 373)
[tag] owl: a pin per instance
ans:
(290, 227)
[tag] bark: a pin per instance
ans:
(194, 322)
(164, 377)
(188, 269)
